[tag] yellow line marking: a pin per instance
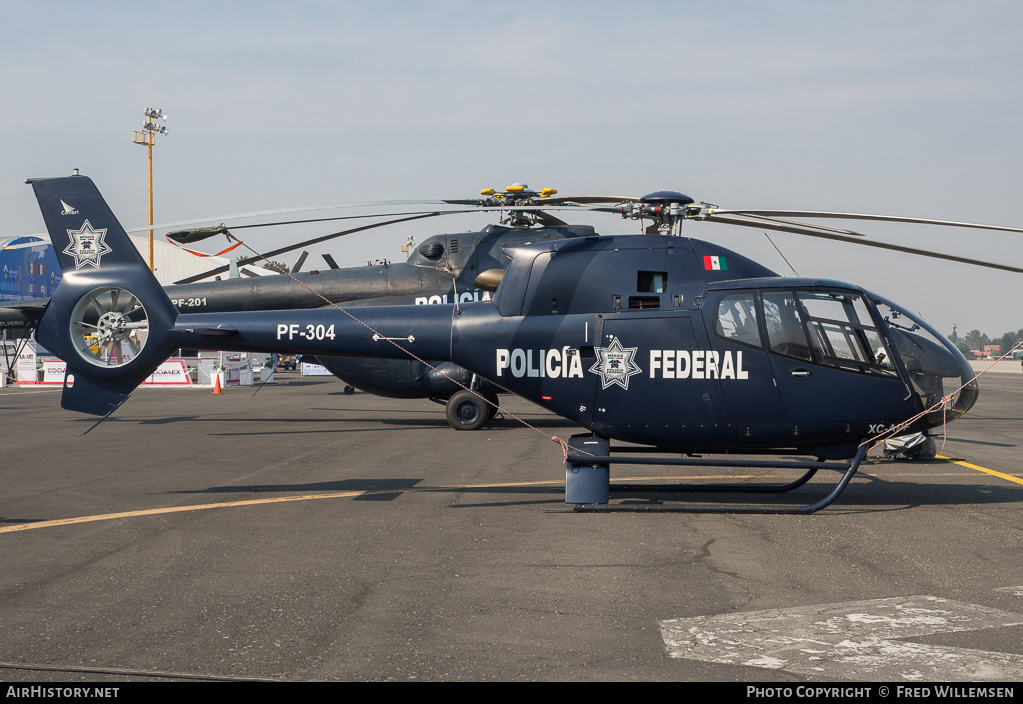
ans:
(308, 497)
(351, 494)
(174, 509)
(992, 472)
(485, 486)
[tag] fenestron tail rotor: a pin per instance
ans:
(109, 327)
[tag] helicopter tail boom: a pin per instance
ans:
(112, 323)
(109, 319)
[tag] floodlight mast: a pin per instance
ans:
(147, 137)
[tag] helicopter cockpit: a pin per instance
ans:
(826, 325)
(935, 368)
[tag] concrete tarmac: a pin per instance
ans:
(304, 534)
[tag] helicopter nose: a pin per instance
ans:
(959, 388)
(936, 370)
(967, 394)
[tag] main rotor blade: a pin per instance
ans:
(553, 200)
(302, 221)
(591, 199)
(867, 243)
(299, 245)
(536, 208)
(814, 226)
(548, 220)
(197, 234)
(862, 216)
(477, 209)
(281, 211)
(344, 217)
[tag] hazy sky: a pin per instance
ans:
(910, 108)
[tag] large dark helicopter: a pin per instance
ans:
(674, 344)
(442, 269)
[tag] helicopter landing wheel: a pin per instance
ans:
(349, 390)
(467, 411)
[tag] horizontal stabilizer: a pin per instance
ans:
(86, 396)
(29, 304)
(219, 331)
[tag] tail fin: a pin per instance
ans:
(109, 319)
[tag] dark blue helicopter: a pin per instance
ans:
(675, 344)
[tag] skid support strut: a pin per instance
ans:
(588, 486)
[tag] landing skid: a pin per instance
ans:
(588, 486)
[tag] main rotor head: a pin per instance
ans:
(666, 208)
(519, 195)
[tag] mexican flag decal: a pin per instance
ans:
(715, 263)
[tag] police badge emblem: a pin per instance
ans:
(87, 245)
(615, 364)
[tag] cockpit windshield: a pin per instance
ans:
(936, 369)
(825, 327)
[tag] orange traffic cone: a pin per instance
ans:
(216, 385)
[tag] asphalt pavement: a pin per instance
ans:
(305, 534)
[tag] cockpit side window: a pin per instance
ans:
(783, 318)
(830, 328)
(843, 333)
(736, 319)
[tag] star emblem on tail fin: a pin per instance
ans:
(87, 245)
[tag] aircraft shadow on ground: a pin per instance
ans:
(386, 490)
(867, 493)
(982, 442)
